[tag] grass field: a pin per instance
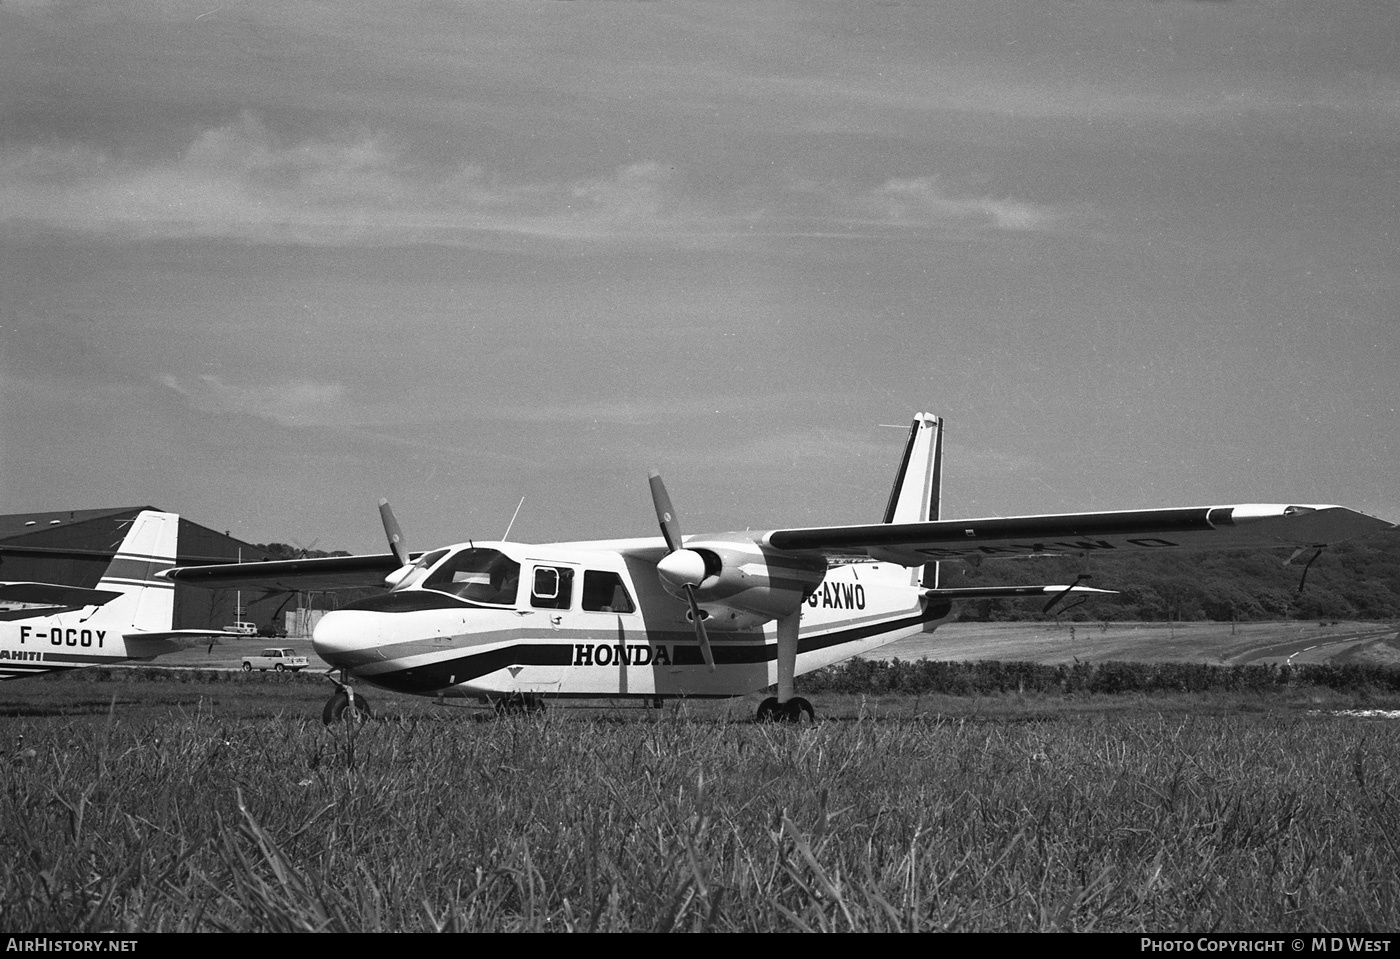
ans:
(138, 803)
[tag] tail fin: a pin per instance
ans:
(147, 603)
(918, 486)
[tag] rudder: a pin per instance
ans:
(917, 494)
(147, 602)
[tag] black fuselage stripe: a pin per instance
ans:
(463, 669)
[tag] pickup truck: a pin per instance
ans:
(279, 658)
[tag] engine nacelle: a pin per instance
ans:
(740, 584)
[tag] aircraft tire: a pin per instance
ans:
(795, 707)
(337, 709)
(247, 667)
(768, 711)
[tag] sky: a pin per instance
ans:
(262, 263)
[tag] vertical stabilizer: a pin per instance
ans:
(147, 603)
(918, 486)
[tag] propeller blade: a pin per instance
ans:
(700, 634)
(391, 529)
(665, 512)
(685, 568)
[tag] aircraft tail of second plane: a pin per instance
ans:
(147, 603)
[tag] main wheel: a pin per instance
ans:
(768, 711)
(795, 707)
(338, 709)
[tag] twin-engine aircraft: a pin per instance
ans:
(710, 615)
(46, 627)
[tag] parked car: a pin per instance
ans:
(280, 658)
(242, 629)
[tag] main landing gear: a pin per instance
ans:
(345, 706)
(772, 711)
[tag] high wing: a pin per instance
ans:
(53, 594)
(1247, 526)
(290, 575)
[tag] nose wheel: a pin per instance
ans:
(345, 706)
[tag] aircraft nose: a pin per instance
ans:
(338, 637)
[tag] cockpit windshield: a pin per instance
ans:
(428, 559)
(478, 575)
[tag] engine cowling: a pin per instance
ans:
(740, 584)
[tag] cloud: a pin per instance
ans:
(294, 403)
(241, 181)
(925, 201)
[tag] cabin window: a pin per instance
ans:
(604, 592)
(553, 587)
(478, 575)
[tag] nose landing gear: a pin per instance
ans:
(345, 705)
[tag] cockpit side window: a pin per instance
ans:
(604, 592)
(553, 587)
(478, 575)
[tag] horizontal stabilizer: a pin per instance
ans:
(1012, 592)
(147, 645)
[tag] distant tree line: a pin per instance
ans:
(284, 551)
(1351, 581)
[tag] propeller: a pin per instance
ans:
(400, 576)
(391, 530)
(681, 569)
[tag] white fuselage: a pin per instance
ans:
(43, 641)
(585, 638)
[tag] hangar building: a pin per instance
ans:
(73, 547)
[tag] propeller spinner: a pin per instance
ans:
(681, 569)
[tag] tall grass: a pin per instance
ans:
(609, 821)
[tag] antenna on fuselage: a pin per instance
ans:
(513, 516)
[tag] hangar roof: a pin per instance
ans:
(24, 524)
